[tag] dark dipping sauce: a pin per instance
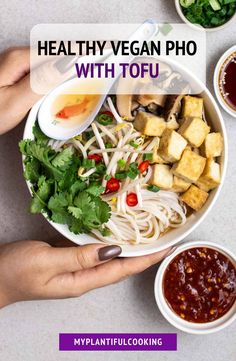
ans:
(227, 81)
(200, 285)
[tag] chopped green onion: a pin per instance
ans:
(186, 3)
(104, 119)
(228, 2)
(107, 177)
(147, 156)
(78, 137)
(101, 168)
(89, 135)
(131, 174)
(153, 188)
(133, 144)
(121, 175)
(133, 170)
(215, 5)
(105, 232)
(121, 163)
(88, 163)
(108, 145)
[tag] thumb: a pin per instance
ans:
(72, 259)
(19, 98)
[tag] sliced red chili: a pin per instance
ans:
(132, 199)
(113, 185)
(96, 157)
(106, 112)
(72, 110)
(144, 166)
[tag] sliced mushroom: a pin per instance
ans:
(126, 103)
(124, 106)
(152, 107)
(173, 102)
(134, 105)
(151, 94)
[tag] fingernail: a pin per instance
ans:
(109, 252)
(65, 63)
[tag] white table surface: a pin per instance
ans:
(29, 330)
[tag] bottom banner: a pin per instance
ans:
(118, 342)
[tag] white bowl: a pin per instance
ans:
(170, 315)
(221, 100)
(177, 234)
(196, 26)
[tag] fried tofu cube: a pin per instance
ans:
(171, 146)
(162, 176)
(192, 107)
(194, 197)
(149, 124)
(156, 158)
(194, 130)
(180, 185)
(213, 145)
(210, 177)
(190, 166)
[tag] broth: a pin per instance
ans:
(69, 110)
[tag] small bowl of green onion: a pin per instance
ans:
(209, 14)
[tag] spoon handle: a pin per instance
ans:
(144, 32)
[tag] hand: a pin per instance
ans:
(34, 270)
(16, 95)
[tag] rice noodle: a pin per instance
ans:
(155, 213)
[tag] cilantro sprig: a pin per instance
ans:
(57, 191)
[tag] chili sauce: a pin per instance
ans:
(200, 285)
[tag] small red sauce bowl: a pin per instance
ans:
(164, 306)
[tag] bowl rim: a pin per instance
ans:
(145, 251)
(217, 70)
(170, 315)
(199, 27)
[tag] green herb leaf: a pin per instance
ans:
(153, 188)
(38, 134)
(76, 212)
(41, 196)
(88, 163)
(95, 189)
(63, 159)
(32, 169)
(58, 202)
(58, 192)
